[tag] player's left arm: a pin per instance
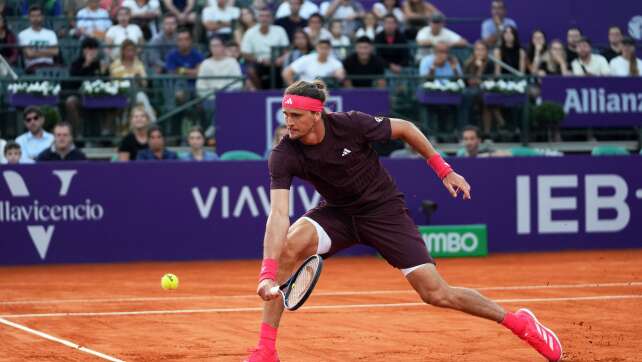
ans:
(409, 133)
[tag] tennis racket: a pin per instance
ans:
(296, 290)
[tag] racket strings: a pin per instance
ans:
(302, 282)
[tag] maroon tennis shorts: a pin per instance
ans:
(390, 230)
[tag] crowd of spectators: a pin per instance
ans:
(338, 40)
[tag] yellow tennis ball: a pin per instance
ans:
(169, 281)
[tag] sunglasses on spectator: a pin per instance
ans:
(29, 119)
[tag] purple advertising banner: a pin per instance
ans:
(596, 101)
(246, 120)
(96, 212)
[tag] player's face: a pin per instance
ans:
(299, 122)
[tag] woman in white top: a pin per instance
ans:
(339, 42)
(386, 7)
(626, 64)
(144, 14)
(118, 33)
(218, 65)
(370, 27)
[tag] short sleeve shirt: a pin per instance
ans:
(344, 168)
(309, 68)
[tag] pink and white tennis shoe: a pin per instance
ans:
(544, 340)
(262, 354)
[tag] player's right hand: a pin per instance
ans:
(265, 291)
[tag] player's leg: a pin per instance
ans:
(434, 290)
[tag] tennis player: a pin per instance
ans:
(362, 205)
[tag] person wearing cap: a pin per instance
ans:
(587, 63)
(435, 33)
(626, 64)
(36, 139)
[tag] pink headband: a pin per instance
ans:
(302, 102)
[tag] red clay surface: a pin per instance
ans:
(593, 300)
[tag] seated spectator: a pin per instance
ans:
(218, 65)
(321, 64)
(136, 140)
(471, 138)
(301, 46)
(294, 21)
(8, 42)
(536, 52)
(392, 44)
(36, 139)
(626, 65)
(340, 42)
(129, 66)
(196, 141)
(39, 45)
(478, 67)
(307, 8)
(92, 21)
(510, 52)
(12, 154)
(122, 31)
(256, 49)
(370, 27)
(435, 33)
(347, 11)
(493, 27)
(88, 64)
(388, 7)
(144, 13)
(246, 21)
(573, 36)
(615, 44)
(183, 10)
(416, 13)
(63, 148)
(439, 64)
(554, 60)
(156, 150)
(163, 43)
(587, 63)
(185, 59)
(48, 7)
(364, 63)
(217, 19)
(315, 29)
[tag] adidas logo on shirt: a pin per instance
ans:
(345, 152)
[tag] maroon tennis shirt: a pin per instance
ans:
(344, 168)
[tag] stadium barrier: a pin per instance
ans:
(98, 212)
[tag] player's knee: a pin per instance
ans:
(440, 297)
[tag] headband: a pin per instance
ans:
(302, 102)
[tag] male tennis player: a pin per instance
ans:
(362, 205)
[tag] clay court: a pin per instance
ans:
(362, 310)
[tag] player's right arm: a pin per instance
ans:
(275, 234)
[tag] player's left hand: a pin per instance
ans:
(455, 182)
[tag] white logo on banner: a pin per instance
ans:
(635, 27)
(594, 201)
(14, 211)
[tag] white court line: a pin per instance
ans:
(59, 340)
(312, 307)
(318, 294)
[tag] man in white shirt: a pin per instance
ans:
(117, 34)
(307, 8)
(587, 63)
(217, 19)
(93, 21)
(218, 65)
(435, 33)
(36, 139)
(40, 45)
(316, 65)
(144, 13)
(256, 49)
(627, 64)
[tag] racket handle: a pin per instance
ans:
(274, 290)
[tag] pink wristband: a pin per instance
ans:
(268, 269)
(441, 167)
